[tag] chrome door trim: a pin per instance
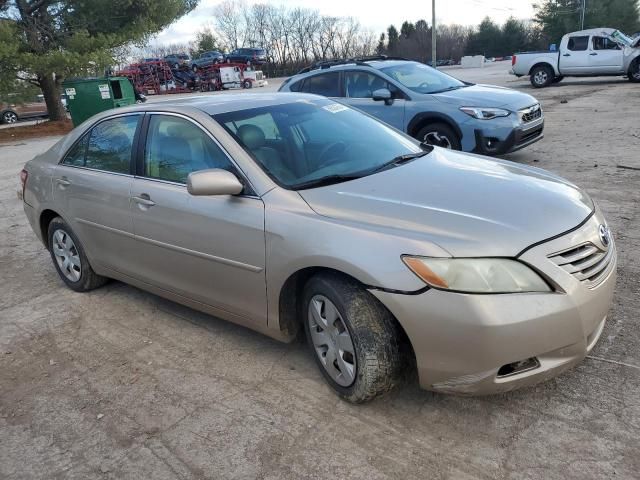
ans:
(104, 227)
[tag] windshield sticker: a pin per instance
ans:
(334, 108)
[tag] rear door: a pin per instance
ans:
(605, 56)
(574, 60)
(358, 92)
(92, 188)
(208, 249)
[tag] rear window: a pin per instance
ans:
(577, 44)
(326, 84)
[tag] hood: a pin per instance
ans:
(466, 204)
(487, 96)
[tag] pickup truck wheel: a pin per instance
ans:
(542, 76)
(634, 71)
(9, 117)
(355, 341)
(439, 135)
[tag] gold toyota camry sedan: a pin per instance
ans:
(291, 212)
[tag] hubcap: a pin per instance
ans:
(332, 341)
(438, 139)
(10, 117)
(540, 77)
(67, 256)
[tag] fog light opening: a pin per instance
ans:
(516, 368)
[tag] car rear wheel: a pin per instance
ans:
(439, 135)
(542, 76)
(69, 258)
(354, 339)
(634, 71)
(9, 117)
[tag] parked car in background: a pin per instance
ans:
(486, 275)
(250, 56)
(428, 104)
(587, 53)
(206, 59)
(11, 112)
(176, 60)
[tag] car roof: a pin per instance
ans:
(215, 104)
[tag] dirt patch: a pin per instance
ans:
(44, 129)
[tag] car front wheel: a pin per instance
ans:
(439, 135)
(69, 258)
(355, 341)
(9, 117)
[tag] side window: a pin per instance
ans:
(109, 145)
(363, 84)
(76, 154)
(577, 44)
(603, 43)
(296, 86)
(326, 84)
(176, 147)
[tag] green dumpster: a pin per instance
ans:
(88, 96)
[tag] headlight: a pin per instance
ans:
(476, 275)
(485, 113)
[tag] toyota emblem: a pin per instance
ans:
(605, 235)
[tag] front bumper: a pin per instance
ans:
(463, 342)
(519, 138)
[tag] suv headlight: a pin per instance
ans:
(476, 275)
(482, 113)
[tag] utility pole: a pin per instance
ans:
(433, 34)
(584, 7)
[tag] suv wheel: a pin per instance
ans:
(439, 135)
(354, 339)
(542, 76)
(9, 117)
(69, 258)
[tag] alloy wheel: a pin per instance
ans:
(438, 139)
(67, 255)
(540, 77)
(332, 341)
(10, 117)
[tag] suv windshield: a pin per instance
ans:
(309, 143)
(421, 78)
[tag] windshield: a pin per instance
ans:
(312, 142)
(421, 78)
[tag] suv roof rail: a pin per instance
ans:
(346, 61)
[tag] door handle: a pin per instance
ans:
(144, 200)
(566, 55)
(63, 182)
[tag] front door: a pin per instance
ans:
(606, 56)
(359, 87)
(574, 59)
(208, 249)
(92, 187)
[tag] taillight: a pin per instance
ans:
(513, 60)
(23, 180)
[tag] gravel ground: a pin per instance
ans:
(119, 383)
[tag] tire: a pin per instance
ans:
(558, 79)
(194, 68)
(634, 71)
(9, 116)
(247, 84)
(58, 235)
(541, 76)
(440, 135)
(378, 359)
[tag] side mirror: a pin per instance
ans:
(213, 181)
(383, 94)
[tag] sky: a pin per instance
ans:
(370, 13)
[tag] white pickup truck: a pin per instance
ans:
(588, 53)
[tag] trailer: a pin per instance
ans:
(229, 75)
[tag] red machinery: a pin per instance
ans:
(153, 77)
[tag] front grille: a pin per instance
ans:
(531, 114)
(529, 136)
(587, 262)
